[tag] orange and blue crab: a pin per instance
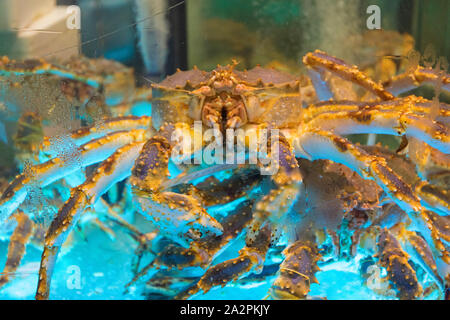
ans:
(255, 101)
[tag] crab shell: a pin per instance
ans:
(269, 96)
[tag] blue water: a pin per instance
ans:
(104, 267)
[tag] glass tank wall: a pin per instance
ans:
(281, 32)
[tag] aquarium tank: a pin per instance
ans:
(224, 149)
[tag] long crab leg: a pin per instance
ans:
(423, 162)
(317, 144)
(412, 242)
(40, 66)
(250, 258)
(413, 104)
(419, 76)
(83, 135)
(319, 61)
(393, 117)
(57, 168)
(116, 168)
(297, 272)
(17, 244)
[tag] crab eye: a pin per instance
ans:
(195, 107)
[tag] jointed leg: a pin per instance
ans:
(408, 116)
(410, 104)
(286, 180)
(250, 257)
(434, 198)
(419, 76)
(181, 217)
(114, 169)
(209, 192)
(297, 272)
(319, 62)
(202, 252)
(57, 168)
(40, 66)
(49, 146)
(17, 244)
(401, 275)
(269, 211)
(316, 144)
(420, 253)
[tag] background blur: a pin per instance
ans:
(158, 36)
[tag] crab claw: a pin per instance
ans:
(178, 216)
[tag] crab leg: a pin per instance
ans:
(317, 144)
(212, 191)
(40, 66)
(297, 272)
(412, 242)
(430, 163)
(410, 104)
(419, 250)
(251, 257)
(434, 198)
(401, 275)
(57, 168)
(86, 134)
(420, 76)
(393, 117)
(16, 249)
(201, 252)
(274, 206)
(179, 216)
(318, 62)
(116, 168)
(268, 212)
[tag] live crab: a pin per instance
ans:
(257, 100)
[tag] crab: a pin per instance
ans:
(255, 101)
(65, 94)
(78, 79)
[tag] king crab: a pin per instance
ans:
(254, 100)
